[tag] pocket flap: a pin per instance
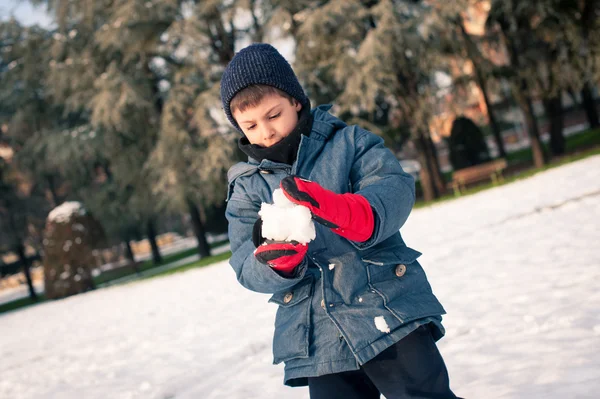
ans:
(388, 256)
(294, 295)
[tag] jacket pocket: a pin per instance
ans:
(292, 322)
(392, 273)
(399, 279)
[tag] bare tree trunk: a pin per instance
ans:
(493, 122)
(426, 183)
(537, 149)
(129, 251)
(436, 173)
(52, 189)
(20, 250)
(588, 18)
(589, 105)
(525, 102)
(130, 256)
(198, 226)
(554, 112)
(472, 54)
(151, 231)
(427, 173)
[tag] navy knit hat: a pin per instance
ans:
(259, 64)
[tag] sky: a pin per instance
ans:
(24, 12)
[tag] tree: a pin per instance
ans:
(516, 26)
(467, 47)
(24, 110)
(377, 52)
(583, 48)
(17, 215)
(196, 143)
(102, 70)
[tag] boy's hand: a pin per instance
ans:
(280, 255)
(348, 215)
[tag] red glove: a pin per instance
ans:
(348, 215)
(281, 256)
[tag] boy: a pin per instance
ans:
(356, 315)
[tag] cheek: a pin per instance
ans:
(288, 125)
(251, 136)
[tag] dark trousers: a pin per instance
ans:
(412, 368)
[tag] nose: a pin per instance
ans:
(268, 133)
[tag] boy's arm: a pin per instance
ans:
(241, 214)
(376, 174)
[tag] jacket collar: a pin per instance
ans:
(324, 126)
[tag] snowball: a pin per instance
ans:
(281, 201)
(285, 221)
(63, 212)
(381, 324)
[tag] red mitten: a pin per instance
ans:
(281, 256)
(349, 215)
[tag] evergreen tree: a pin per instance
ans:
(24, 110)
(102, 71)
(359, 52)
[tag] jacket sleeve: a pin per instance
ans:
(241, 213)
(377, 175)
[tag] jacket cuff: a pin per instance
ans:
(374, 239)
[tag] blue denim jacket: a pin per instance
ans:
(348, 301)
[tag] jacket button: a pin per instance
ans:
(288, 297)
(400, 270)
(323, 303)
(265, 172)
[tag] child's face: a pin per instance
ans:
(270, 121)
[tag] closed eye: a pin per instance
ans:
(250, 127)
(275, 116)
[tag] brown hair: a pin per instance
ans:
(252, 95)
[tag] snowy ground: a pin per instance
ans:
(517, 268)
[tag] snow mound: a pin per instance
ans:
(63, 212)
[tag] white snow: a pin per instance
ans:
(516, 267)
(381, 324)
(63, 212)
(331, 266)
(285, 221)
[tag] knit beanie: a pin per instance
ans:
(259, 64)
